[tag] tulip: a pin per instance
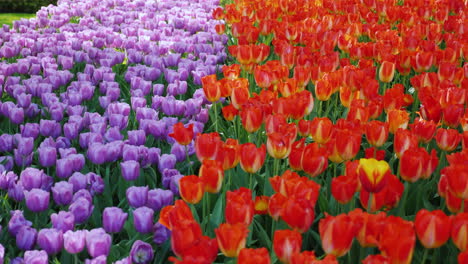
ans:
(47, 156)
(343, 188)
(161, 233)
(143, 219)
(113, 219)
(397, 119)
(158, 198)
(239, 206)
(137, 196)
(252, 118)
(286, 243)
(432, 228)
(229, 154)
(50, 240)
(36, 257)
(191, 189)
(207, 146)
(329, 227)
(373, 174)
(182, 135)
(62, 193)
(253, 256)
(26, 238)
(447, 139)
(74, 241)
(141, 252)
(251, 157)
(98, 242)
(212, 175)
(63, 221)
(398, 248)
(37, 200)
(376, 133)
(386, 71)
(231, 238)
(81, 209)
(298, 214)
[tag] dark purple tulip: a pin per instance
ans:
(193, 106)
(95, 183)
(36, 257)
(74, 242)
(37, 200)
(25, 145)
(130, 170)
(7, 162)
(30, 130)
(158, 198)
(98, 260)
(136, 137)
(97, 153)
(62, 192)
(161, 233)
(7, 178)
(156, 128)
(81, 209)
(6, 143)
(114, 150)
(113, 219)
(64, 168)
(78, 180)
(26, 238)
(50, 240)
(137, 196)
(143, 219)
(17, 221)
(16, 115)
(16, 191)
(47, 156)
(98, 242)
(63, 221)
(141, 253)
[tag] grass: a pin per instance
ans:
(8, 18)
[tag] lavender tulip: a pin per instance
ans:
(74, 242)
(143, 219)
(62, 193)
(47, 156)
(63, 221)
(37, 200)
(95, 183)
(160, 233)
(78, 180)
(16, 191)
(36, 257)
(17, 221)
(113, 219)
(130, 170)
(98, 260)
(158, 198)
(7, 178)
(98, 242)
(81, 209)
(50, 240)
(141, 253)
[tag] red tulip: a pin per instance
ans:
(459, 232)
(286, 243)
(181, 134)
(231, 238)
(212, 174)
(433, 228)
(251, 157)
(191, 189)
(337, 234)
(253, 256)
(239, 206)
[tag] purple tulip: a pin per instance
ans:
(71, 130)
(16, 115)
(167, 161)
(7, 178)
(30, 130)
(95, 183)
(130, 170)
(136, 137)
(63, 221)
(158, 198)
(83, 193)
(62, 193)
(25, 145)
(143, 219)
(137, 196)
(37, 200)
(124, 261)
(178, 151)
(16, 191)
(17, 260)
(64, 168)
(78, 180)
(26, 238)
(36, 257)
(98, 260)
(50, 240)
(113, 219)
(74, 242)
(6, 143)
(17, 221)
(98, 242)
(97, 153)
(47, 156)
(161, 233)
(130, 152)
(141, 253)
(81, 209)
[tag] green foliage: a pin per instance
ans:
(8, 18)
(24, 6)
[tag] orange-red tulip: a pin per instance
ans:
(343, 188)
(231, 71)
(321, 129)
(337, 234)
(376, 259)
(457, 179)
(183, 135)
(376, 132)
(252, 118)
(191, 189)
(423, 129)
(229, 112)
(315, 159)
(251, 157)
(229, 154)
(278, 145)
(261, 204)
(239, 206)
(211, 87)
(286, 243)
(212, 174)
(414, 163)
(447, 139)
(459, 232)
(231, 238)
(397, 240)
(207, 145)
(403, 140)
(432, 228)
(298, 214)
(397, 119)
(370, 226)
(276, 204)
(386, 71)
(254, 256)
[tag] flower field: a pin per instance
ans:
(235, 132)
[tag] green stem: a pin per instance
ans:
(188, 160)
(250, 175)
(76, 259)
(215, 107)
(275, 167)
(426, 250)
(369, 202)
